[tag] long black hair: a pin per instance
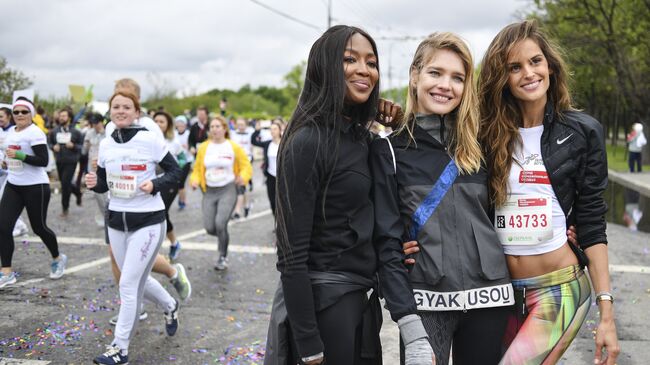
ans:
(321, 105)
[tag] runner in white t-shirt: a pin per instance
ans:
(183, 134)
(136, 216)
(27, 187)
(242, 136)
(6, 123)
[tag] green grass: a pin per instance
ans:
(617, 159)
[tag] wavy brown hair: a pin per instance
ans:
(463, 141)
(501, 115)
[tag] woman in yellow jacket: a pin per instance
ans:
(220, 166)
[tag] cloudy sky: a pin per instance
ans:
(192, 46)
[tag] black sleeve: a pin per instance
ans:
(255, 140)
(51, 138)
(172, 176)
(590, 207)
(77, 140)
(388, 231)
(40, 157)
(298, 187)
(102, 185)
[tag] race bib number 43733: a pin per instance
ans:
(524, 220)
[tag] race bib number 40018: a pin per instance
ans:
(525, 220)
(122, 185)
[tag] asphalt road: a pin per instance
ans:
(225, 321)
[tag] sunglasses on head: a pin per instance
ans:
(23, 112)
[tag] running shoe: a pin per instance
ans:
(181, 205)
(222, 264)
(171, 320)
(20, 231)
(235, 216)
(143, 315)
(58, 267)
(6, 280)
(182, 282)
(246, 211)
(174, 251)
(113, 356)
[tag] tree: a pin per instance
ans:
(294, 80)
(11, 80)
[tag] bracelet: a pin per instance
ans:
(313, 357)
(604, 295)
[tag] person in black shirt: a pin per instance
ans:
(66, 142)
(199, 131)
(325, 214)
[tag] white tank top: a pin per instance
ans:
(532, 221)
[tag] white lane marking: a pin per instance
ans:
(6, 361)
(70, 270)
(630, 268)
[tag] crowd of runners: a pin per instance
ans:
(474, 219)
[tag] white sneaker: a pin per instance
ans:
(58, 267)
(6, 280)
(20, 231)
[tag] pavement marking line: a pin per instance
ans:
(630, 268)
(6, 361)
(70, 270)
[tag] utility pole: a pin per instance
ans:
(329, 13)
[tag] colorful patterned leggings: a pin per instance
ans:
(548, 314)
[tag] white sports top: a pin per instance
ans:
(127, 166)
(532, 221)
(272, 154)
(244, 140)
(21, 173)
(219, 160)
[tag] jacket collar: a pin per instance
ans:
(123, 135)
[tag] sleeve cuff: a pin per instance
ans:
(411, 328)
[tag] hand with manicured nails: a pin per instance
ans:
(388, 113)
(91, 180)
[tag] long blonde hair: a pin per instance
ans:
(500, 113)
(463, 142)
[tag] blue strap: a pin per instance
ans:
(431, 201)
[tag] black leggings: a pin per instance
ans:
(185, 171)
(476, 335)
(35, 198)
(340, 330)
(168, 196)
(270, 191)
(65, 171)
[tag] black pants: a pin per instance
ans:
(340, 330)
(634, 159)
(270, 191)
(168, 196)
(35, 198)
(185, 171)
(477, 335)
(66, 171)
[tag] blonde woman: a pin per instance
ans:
(430, 186)
(548, 169)
(220, 166)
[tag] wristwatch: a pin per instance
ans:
(604, 296)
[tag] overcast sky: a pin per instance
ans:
(193, 46)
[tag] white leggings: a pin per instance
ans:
(135, 253)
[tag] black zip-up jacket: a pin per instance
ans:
(461, 260)
(65, 154)
(255, 141)
(131, 221)
(333, 239)
(573, 150)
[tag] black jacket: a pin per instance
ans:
(65, 154)
(573, 150)
(334, 238)
(197, 134)
(460, 254)
(255, 141)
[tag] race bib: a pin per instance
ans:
(122, 185)
(14, 165)
(63, 138)
(215, 175)
(525, 220)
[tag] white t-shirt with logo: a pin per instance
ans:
(532, 221)
(272, 155)
(21, 173)
(127, 166)
(244, 140)
(219, 160)
(183, 139)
